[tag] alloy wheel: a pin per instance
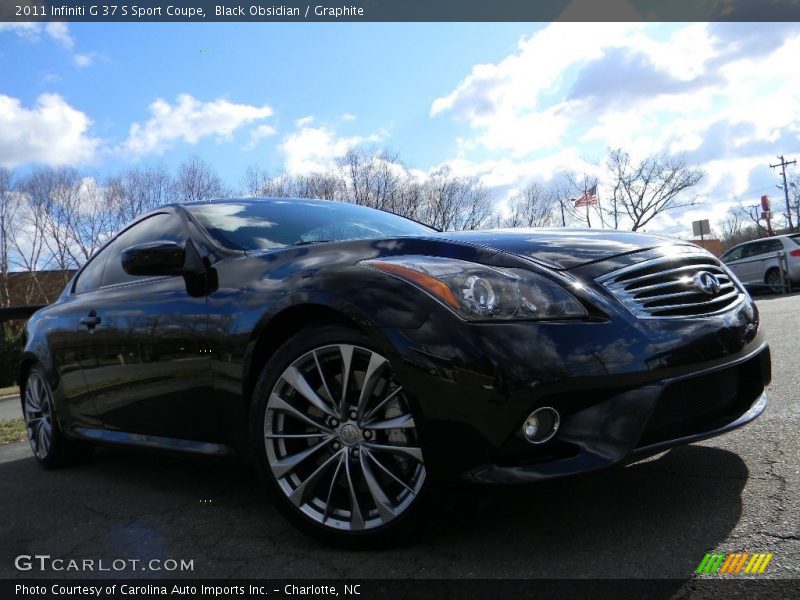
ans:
(774, 281)
(341, 441)
(39, 414)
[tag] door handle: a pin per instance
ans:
(90, 321)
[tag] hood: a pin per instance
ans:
(560, 247)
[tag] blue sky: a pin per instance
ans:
(508, 103)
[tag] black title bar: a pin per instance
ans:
(399, 10)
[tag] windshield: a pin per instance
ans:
(795, 239)
(262, 224)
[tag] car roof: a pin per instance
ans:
(772, 237)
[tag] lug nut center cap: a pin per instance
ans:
(349, 434)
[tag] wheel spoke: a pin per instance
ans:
(30, 404)
(46, 439)
(386, 470)
(376, 363)
(334, 481)
(384, 505)
(324, 380)
(288, 463)
(298, 496)
(279, 404)
(299, 436)
(356, 520)
(295, 379)
(40, 438)
(413, 452)
(33, 429)
(401, 422)
(347, 361)
(382, 403)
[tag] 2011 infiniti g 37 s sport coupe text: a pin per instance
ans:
(362, 358)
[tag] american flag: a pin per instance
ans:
(589, 197)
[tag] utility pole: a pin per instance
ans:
(783, 164)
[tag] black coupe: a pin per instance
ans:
(362, 358)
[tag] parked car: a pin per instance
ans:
(363, 360)
(757, 263)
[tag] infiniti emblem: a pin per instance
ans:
(349, 434)
(705, 282)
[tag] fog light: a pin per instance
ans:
(541, 425)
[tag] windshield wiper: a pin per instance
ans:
(311, 242)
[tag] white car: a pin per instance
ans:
(757, 263)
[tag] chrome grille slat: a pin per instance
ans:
(657, 286)
(716, 300)
(699, 267)
(642, 288)
(649, 299)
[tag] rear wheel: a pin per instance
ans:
(49, 445)
(773, 280)
(338, 439)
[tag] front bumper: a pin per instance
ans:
(643, 422)
(625, 388)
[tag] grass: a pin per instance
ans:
(13, 430)
(11, 390)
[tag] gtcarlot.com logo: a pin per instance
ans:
(44, 562)
(733, 564)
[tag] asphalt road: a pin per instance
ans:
(10, 408)
(655, 519)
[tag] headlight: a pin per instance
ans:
(479, 292)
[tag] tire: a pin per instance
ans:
(51, 448)
(773, 280)
(354, 472)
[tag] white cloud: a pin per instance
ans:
(83, 60)
(51, 132)
(721, 93)
(348, 117)
(311, 149)
(258, 134)
(56, 31)
(60, 33)
(189, 120)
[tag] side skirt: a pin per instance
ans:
(153, 441)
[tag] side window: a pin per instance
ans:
(752, 249)
(772, 246)
(734, 254)
(161, 226)
(89, 278)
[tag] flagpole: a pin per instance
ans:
(588, 220)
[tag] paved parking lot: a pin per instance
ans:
(653, 519)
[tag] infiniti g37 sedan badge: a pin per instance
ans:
(705, 282)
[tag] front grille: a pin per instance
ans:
(684, 284)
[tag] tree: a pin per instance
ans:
(454, 203)
(534, 206)
(197, 181)
(9, 203)
(136, 191)
(645, 189)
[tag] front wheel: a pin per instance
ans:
(338, 438)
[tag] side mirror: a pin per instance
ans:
(161, 258)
